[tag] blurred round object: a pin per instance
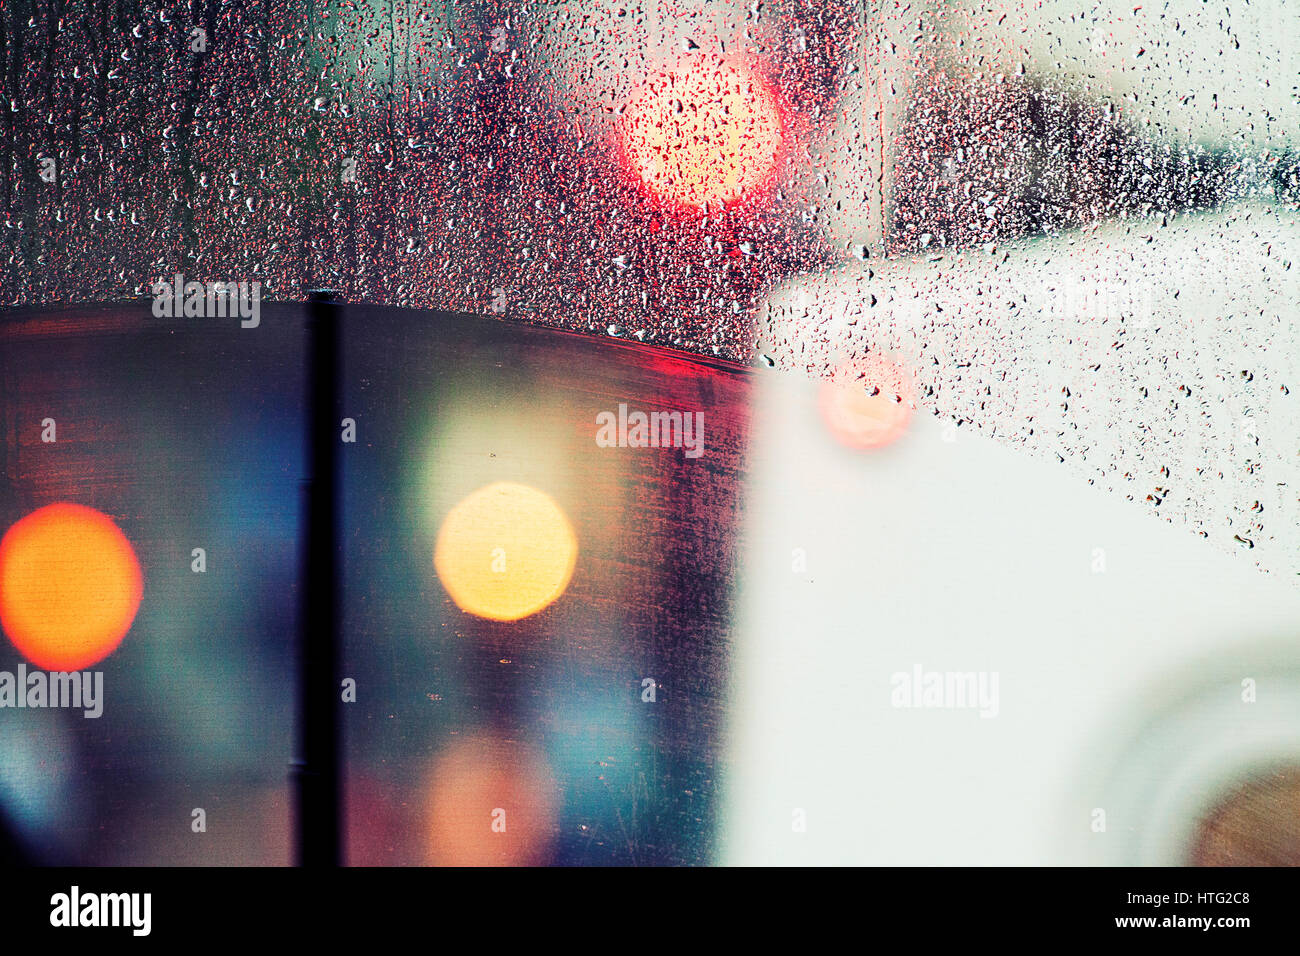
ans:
(506, 551)
(1257, 823)
(1209, 777)
(70, 586)
(492, 802)
(708, 131)
(866, 404)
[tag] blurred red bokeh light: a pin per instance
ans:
(704, 133)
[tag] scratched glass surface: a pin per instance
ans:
(594, 722)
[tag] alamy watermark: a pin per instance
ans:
(208, 300)
(1070, 298)
(946, 690)
(55, 689)
(637, 429)
(75, 908)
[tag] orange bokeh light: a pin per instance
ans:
(492, 802)
(707, 132)
(70, 586)
(867, 404)
(505, 552)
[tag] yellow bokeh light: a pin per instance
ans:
(70, 586)
(505, 552)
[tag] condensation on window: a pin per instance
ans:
(1075, 226)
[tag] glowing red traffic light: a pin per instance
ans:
(705, 132)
